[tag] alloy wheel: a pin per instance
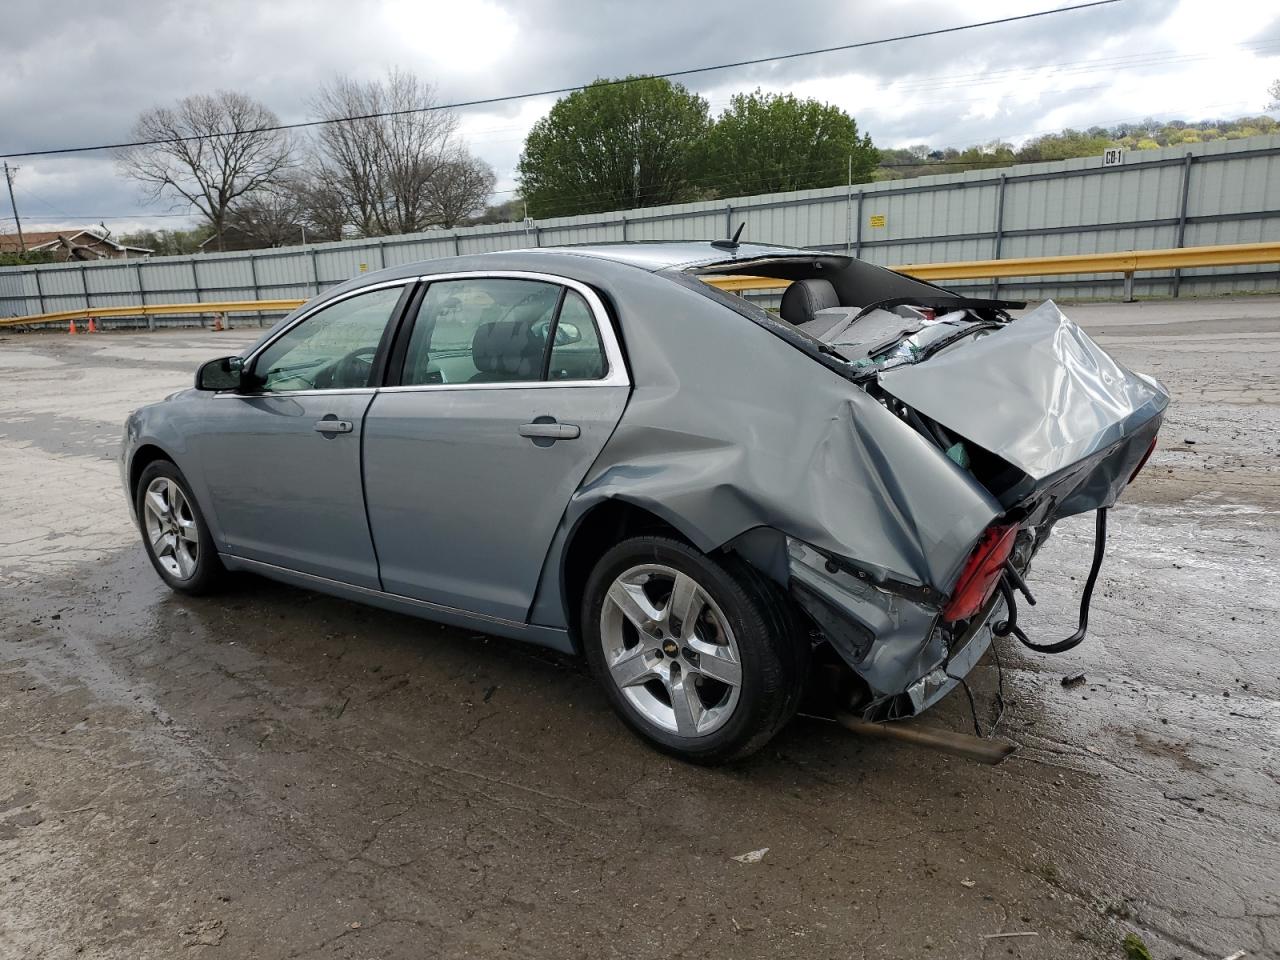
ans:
(670, 650)
(171, 528)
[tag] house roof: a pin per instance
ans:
(40, 239)
(9, 241)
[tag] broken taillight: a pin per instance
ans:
(1143, 462)
(981, 573)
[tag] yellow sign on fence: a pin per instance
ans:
(877, 220)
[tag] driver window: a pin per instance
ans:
(333, 349)
(481, 330)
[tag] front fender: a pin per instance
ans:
(156, 431)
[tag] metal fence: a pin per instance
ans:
(1192, 195)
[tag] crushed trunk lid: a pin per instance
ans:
(1041, 395)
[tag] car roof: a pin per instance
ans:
(677, 253)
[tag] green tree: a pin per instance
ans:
(1065, 145)
(771, 143)
(611, 146)
(509, 211)
(13, 258)
(169, 243)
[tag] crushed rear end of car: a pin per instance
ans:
(1029, 422)
(1050, 426)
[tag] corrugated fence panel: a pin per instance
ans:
(1062, 207)
(14, 286)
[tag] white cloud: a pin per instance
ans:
(1111, 64)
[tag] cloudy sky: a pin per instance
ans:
(80, 74)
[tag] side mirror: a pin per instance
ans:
(225, 373)
(567, 333)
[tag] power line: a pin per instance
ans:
(1108, 65)
(691, 71)
(924, 166)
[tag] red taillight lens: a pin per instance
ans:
(1143, 462)
(981, 573)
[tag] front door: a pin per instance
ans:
(283, 461)
(508, 393)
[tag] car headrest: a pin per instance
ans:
(804, 298)
(507, 350)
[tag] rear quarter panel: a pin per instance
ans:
(730, 428)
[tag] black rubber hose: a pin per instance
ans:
(1011, 625)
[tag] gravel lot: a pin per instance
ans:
(271, 773)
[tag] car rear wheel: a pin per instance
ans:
(699, 655)
(174, 533)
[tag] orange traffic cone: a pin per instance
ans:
(93, 326)
(71, 326)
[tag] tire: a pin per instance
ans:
(178, 544)
(645, 656)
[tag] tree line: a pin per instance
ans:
(921, 159)
(387, 160)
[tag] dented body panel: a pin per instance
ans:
(1040, 392)
(733, 434)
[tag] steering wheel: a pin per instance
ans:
(353, 370)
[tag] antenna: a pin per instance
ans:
(732, 242)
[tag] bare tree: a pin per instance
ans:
(382, 166)
(1274, 92)
(270, 217)
(323, 210)
(460, 188)
(208, 151)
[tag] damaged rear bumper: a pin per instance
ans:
(894, 642)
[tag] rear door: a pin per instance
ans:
(282, 462)
(510, 385)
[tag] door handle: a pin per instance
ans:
(550, 430)
(333, 426)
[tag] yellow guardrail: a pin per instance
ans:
(1127, 262)
(155, 310)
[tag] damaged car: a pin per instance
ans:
(607, 451)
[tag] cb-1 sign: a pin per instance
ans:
(1112, 157)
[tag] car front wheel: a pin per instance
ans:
(174, 532)
(699, 655)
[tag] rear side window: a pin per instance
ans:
(482, 330)
(502, 330)
(576, 353)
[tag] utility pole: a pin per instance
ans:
(848, 211)
(8, 179)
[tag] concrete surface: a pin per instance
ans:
(271, 773)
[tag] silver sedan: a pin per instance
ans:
(601, 450)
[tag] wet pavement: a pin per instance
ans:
(271, 773)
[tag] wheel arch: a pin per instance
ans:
(149, 451)
(143, 457)
(600, 527)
